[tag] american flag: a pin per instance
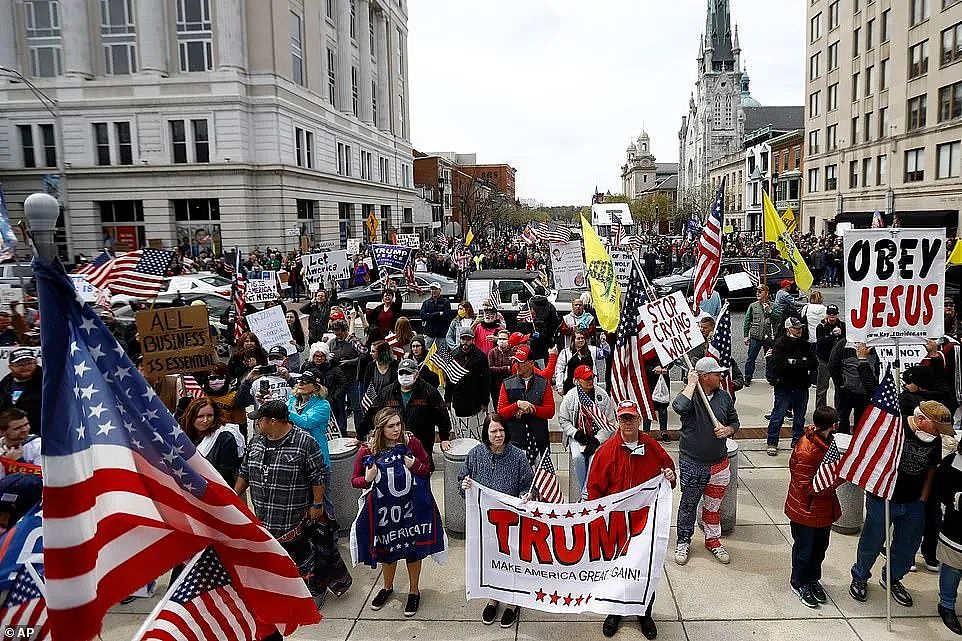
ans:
(205, 605)
(107, 434)
(827, 472)
(392, 342)
(138, 273)
(617, 231)
(710, 249)
(525, 315)
(628, 379)
(21, 567)
(590, 417)
(24, 606)
(367, 401)
(720, 348)
(442, 358)
(409, 279)
(191, 387)
(878, 221)
(528, 235)
(461, 256)
(546, 481)
(549, 233)
(872, 460)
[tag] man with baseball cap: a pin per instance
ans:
(267, 382)
(580, 415)
(526, 402)
(419, 405)
(703, 456)
(783, 305)
(627, 459)
(436, 315)
(22, 387)
(469, 396)
(792, 367)
(827, 334)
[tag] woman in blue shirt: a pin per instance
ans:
(310, 411)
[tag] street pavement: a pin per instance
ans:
(748, 599)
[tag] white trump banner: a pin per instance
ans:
(601, 556)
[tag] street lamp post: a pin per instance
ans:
(41, 211)
(53, 107)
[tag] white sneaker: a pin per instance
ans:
(772, 450)
(721, 554)
(681, 553)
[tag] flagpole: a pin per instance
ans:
(170, 590)
(888, 517)
(538, 467)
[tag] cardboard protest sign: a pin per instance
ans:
(894, 284)
(738, 280)
(262, 289)
(567, 265)
(322, 268)
(270, 327)
(909, 355)
(672, 327)
(176, 339)
(395, 256)
(409, 240)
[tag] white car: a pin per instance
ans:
(199, 283)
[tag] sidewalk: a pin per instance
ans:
(749, 599)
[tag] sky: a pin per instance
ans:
(558, 88)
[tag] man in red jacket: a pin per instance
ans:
(627, 459)
(526, 403)
(810, 512)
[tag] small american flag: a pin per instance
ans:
(367, 401)
(333, 429)
(138, 273)
(204, 605)
(525, 315)
(827, 472)
(872, 460)
(392, 341)
(546, 481)
(628, 379)
(617, 231)
(443, 359)
(549, 233)
(94, 266)
(720, 348)
(528, 235)
(25, 606)
(710, 249)
(409, 279)
(191, 387)
(878, 221)
(590, 417)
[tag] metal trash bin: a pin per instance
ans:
(850, 496)
(453, 501)
(729, 505)
(574, 487)
(343, 495)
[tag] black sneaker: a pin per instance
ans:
(414, 601)
(858, 590)
(899, 593)
(818, 592)
(648, 627)
(381, 598)
(487, 615)
(611, 624)
(950, 620)
(805, 596)
(509, 616)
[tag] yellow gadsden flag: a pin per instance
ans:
(469, 237)
(776, 232)
(789, 219)
(605, 293)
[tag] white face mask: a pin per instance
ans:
(502, 342)
(216, 384)
(406, 380)
(276, 361)
(925, 437)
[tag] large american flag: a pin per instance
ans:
(126, 494)
(872, 460)
(546, 481)
(827, 472)
(710, 249)
(24, 606)
(138, 273)
(628, 379)
(205, 605)
(617, 231)
(590, 417)
(549, 233)
(720, 348)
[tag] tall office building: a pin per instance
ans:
(208, 123)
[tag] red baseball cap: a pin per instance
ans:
(517, 338)
(627, 408)
(788, 282)
(337, 315)
(584, 373)
(522, 354)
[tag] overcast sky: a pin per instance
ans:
(558, 88)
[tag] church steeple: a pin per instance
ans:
(718, 32)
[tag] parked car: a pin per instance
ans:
(371, 293)
(218, 308)
(199, 283)
(777, 271)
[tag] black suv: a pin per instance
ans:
(777, 271)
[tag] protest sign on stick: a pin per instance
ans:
(393, 256)
(672, 327)
(321, 268)
(270, 327)
(567, 265)
(261, 288)
(176, 339)
(409, 240)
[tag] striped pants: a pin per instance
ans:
(706, 483)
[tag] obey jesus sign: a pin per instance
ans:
(894, 284)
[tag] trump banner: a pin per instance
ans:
(601, 556)
(394, 256)
(894, 284)
(397, 517)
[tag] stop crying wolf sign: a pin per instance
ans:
(672, 327)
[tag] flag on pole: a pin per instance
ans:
(605, 292)
(955, 258)
(710, 249)
(191, 387)
(878, 221)
(789, 219)
(546, 480)
(367, 401)
(443, 359)
(551, 233)
(393, 342)
(720, 348)
(617, 231)
(776, 232)
(525, 314)
(25, 606)
(629, 382)
(107, 434)
(240, 291)
(590, 417)
(468, 238)
(827, 473)
(872, 460)
(138, 273)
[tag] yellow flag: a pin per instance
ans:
(469, 237)
(955, 258)
(789, 219)
(605, 293)
(776, 232)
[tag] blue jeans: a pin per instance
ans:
(948, 585)
(788, 399)
(754, 347)
(353, 390)
(907, 524)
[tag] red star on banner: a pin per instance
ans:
(600, 508)
(539, 595)
(569, 515)
(552, 515)
(585, 511)
(587, 598)
(569, 599)
(536, 514)
(554, 597)
(579, 599)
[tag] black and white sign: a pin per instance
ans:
(324, 267)
(672, 327)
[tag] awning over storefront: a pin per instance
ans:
(948, 218)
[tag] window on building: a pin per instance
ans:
(947, 160)
(102, 143)
(401, 113)
(881, 169)
(297, 50)
(122, 224)
(915, 165)
(814, 65)
(856, 6)
(370, 24)
(831, 138)
(331, 77)
(400, 52)
(352, 25)
(948, 3)
(367, 165)
(870, 35)
(118, 34)
(813, 101)
(355, 92)
(49, 141)
(303, 148)
(178, 141)
(918, 11)
(853, 138)
(833, 15)
(883, 122)
(855, 77)
(866, 171)
(797, 158)
(124, 143)
(918, 59)
(812, 181)
(201, 141)
(816, 27)
(374, 101)
(197, 223)
(343, 159)
(831, 177)
(26, 145)
(383, 170)
(884, 26)
(306, 215)
(951, 44)
(832, 56)
(869, 78)
(868, 129)
(812, 147)
(194, 35)
(950, 102)
(916, 112)
(852, 174)
(43, 39)
(189, 143)
(856, 37)
(884, 75)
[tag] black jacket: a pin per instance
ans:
(424, 412)
(948, 488)
(223, 456)
(851, 374)
(543, 329)
(792, 363)
(332, 377)
(29, 400)
(318, 317)
(472, 392)
(825, 340)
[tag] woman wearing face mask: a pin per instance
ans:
(428, 373)
(499, 363)
(219, 388)
(221, 444)
(486, 327)
(580, 353)
(297, 339)
(465, 318)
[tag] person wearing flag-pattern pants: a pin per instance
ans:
(703, 457)
(812, 511)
